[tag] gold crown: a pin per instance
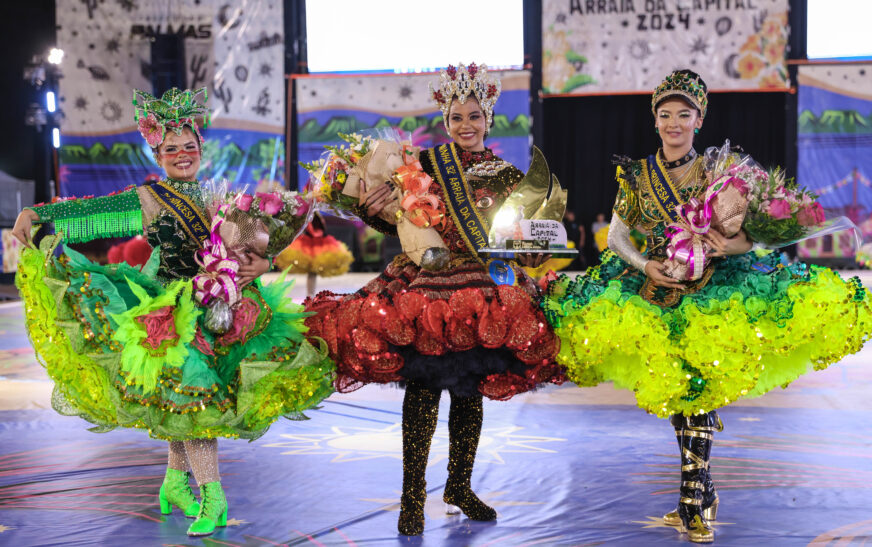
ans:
(681, 84)
(462, 81)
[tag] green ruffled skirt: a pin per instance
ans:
(125, 351)
(757, 324)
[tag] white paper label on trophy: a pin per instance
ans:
(551, 231)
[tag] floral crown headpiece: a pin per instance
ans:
(681, 84)
(174, 110)
(462, 81)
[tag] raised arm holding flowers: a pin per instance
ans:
(130, 347)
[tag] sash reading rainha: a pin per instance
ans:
(461, 207)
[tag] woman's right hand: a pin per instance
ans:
(656, 273)
(376, 199)
(24, 224)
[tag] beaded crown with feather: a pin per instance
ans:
(463, 81)
(173, 110)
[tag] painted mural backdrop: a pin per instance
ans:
(235, 49)
(593, 46)
(344, 104)
(835, 148)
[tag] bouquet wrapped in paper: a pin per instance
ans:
(262, 223)
(772, 210)
(345, 172)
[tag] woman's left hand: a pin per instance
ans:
(723, 246)
(248, 272)
(532, 260)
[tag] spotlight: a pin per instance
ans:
(50, 101)
(55, 56)
(56, 137)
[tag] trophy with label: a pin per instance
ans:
(529, 221)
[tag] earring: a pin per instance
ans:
(696, 130)
(656, 130)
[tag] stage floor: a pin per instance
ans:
(563, 466)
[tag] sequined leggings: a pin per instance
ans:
(200, 455)
(420, 413)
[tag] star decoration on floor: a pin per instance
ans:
(749, 419)
(5, 528)
(657, 522)
(434, 507)
(348, 444)
(236, 522)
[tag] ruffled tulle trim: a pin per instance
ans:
(275, 373)
(746, 333)
(369, 336)
(323, 255)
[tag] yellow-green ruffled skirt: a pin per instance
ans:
(756, 325)
(125, 351)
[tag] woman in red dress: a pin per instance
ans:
(459, 328)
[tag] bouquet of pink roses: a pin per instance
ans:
(263, 224)
(772, 210)
(780, 212)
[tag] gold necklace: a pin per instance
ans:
(680, 174)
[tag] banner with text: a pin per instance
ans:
(235, 50)
(595, 46)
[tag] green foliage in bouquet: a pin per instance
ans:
(780, 212)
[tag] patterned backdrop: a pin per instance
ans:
(630, 45)
(835, 148)
(347, 103)
(235, 49)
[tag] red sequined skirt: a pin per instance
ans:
(454, 329)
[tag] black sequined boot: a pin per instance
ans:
(696, 446)
(464, 430)
(711, 423)
(420, 412)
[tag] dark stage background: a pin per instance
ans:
(583, 133)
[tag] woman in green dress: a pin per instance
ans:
(749, 323)
(132, 348)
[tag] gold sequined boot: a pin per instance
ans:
(464, 430)
(420, 412)
(710, 423)
(695, 448)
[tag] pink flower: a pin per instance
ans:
(805, 217)
(819, 215)
(739, 185)
(779, 209)
(160, 325)
(302, 206)
(151, 131)
(270, 203)
(243, 202)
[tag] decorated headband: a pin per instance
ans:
(174, 110)
(462, 81)
(684, 85)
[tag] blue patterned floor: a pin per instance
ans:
(563, 466)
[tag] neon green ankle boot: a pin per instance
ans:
(176, 490)
(213, 511)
